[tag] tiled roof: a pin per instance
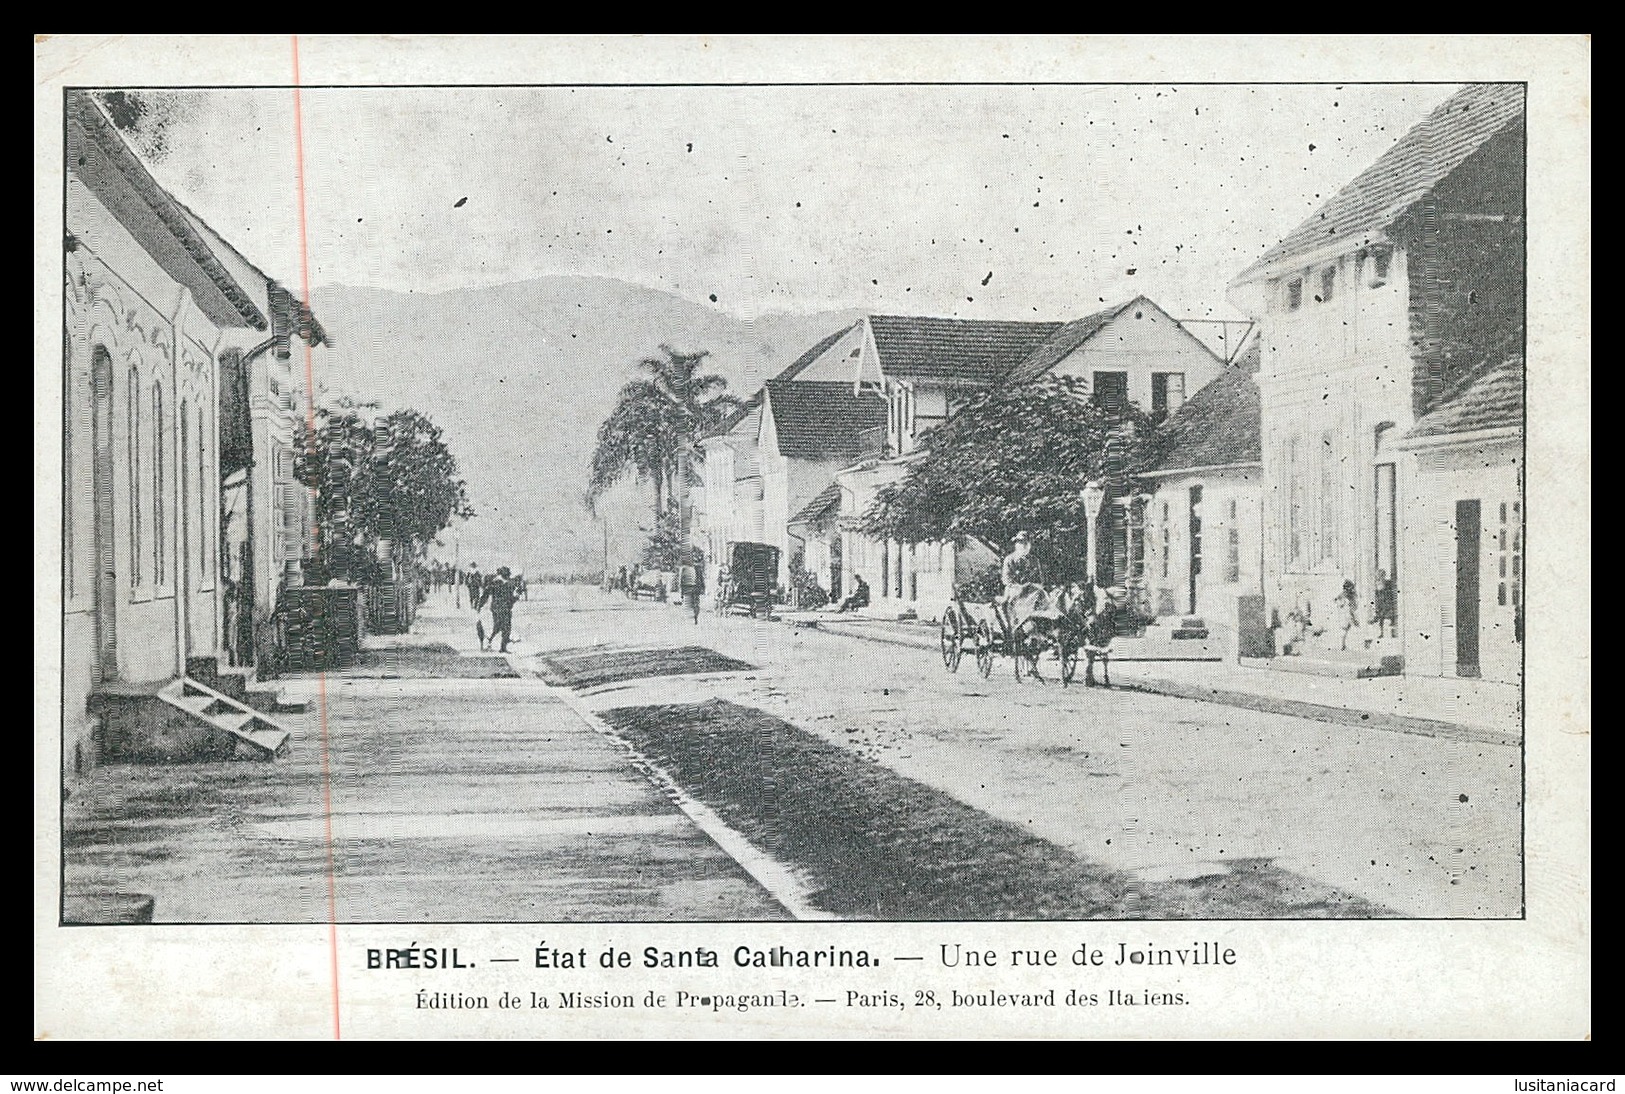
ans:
(177, 236)
(747, 419)
(821, 419)
(1066, 339)
(1422, 158)
(827, 501)
(980, 351)
(1490, 397)
(1219, 426)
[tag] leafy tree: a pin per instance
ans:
(1014, 458)
(377, 478)
(656, 420)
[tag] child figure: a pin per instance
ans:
(1347, 611)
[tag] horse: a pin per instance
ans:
(1060, 619)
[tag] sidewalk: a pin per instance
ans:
(1470, 710)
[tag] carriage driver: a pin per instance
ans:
(1020, 566)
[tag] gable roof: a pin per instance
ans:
(747, 419)
(1064, 341)
(800, 364)
(977, 351)
(1490, 397)
(1421, 159)
(1220, 426)
(289, 312)
(155, 219)
(821, 419)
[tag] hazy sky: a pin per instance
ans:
(899, 199)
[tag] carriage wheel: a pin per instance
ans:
(1024, 649)
(984, 650)
(1069, 660)
(952, 640)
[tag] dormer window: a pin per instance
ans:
(1294, 294)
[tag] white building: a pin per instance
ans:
(924, 369)
(152, 301)
(1374, 311)
(928, 368)
(1201, 522)
(730, 504)
(809, 431)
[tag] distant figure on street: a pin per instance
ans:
(474, 582)
(691, 580)
(1387, 613)
(858, 597)
(500, 594)
(632, 576)
(620, 582)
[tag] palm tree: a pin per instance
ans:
(656, 419)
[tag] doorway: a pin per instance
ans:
(106, 587)
(1469, 528)
(1387, 544)
(1196, 543)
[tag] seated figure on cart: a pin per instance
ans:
(1024, 592)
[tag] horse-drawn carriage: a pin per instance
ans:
(1057, 626)
(747, 580)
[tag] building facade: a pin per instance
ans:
(922, 369)
(1199, 513)
(1465, 529)
(1372, 311)
(809, 431)
(155, 304)
(147, 305)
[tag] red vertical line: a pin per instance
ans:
(310, 422)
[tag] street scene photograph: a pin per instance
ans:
(782, 502)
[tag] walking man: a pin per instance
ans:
(691, 580)
(500, 593)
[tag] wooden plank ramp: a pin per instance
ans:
(265, 738)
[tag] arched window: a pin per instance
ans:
(132, 443)
(160, 508)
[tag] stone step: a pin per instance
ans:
(1345, 667)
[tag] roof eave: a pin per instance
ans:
(100, 129)
(1494, 434)
(1297, 260)
(1169, 472)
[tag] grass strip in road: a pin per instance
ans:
(436, 662)
(594, 665)
(880, 846)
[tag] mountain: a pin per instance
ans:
(520, 376)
